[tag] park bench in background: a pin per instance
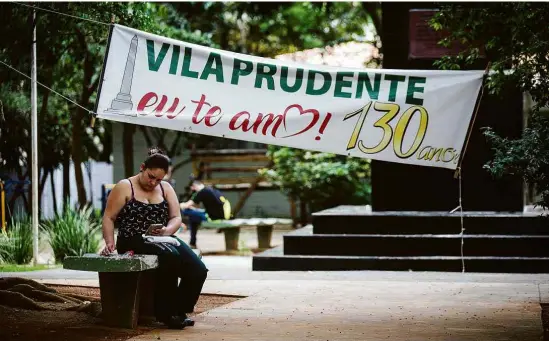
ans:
(126, 284)
(231, 229)
(232, 170)
(223, 168)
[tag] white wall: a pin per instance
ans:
(101, 173)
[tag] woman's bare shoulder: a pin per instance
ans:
(168, 187)
(122, 186)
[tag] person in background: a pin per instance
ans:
(216, 206)
(132, 206)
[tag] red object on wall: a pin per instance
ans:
(424, 39)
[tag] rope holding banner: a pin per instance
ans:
(460, 208)
(457, 173)
(461, 219)
(477, 106)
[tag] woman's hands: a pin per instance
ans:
(160, 232)
(109, 248)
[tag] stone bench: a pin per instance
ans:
(126, 284)
(231, 229)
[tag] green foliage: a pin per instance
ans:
(24, 268)
(73, 233)
(271, 28)
(70, 54)
(69, 59)
(511, 38)
(16, 243)
(527, 156)
(321, 179)
(14, 132)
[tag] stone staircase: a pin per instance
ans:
(351, 238)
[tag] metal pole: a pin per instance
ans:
(34, 136)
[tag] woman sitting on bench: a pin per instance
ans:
(143, 200)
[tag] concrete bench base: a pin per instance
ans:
(264, 236)
(231, 229)
(126, 297)
(127, 286)
(232, 236)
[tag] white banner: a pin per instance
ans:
(406, 116)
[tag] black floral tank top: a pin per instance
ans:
(136, 216)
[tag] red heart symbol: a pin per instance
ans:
(314, 119)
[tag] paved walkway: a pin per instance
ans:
(363, 310)
(354, 305)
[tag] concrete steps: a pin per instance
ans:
(417, 245)
(348, 238)
(352, 220)
(275, 260)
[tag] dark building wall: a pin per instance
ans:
(401, 187)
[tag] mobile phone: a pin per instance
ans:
(153, 227)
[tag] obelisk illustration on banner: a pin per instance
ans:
(123, 100)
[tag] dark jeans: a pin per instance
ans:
(196, 217)
(175, 262)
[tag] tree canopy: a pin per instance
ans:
(511, 36)
(69, 58)
(70, 54)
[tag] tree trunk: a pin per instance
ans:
(373, 9)
(52, 182)
(127, 148)
(303, 213)
(66, 178)
(88, 87)
(177, 143)
(146, 135)
(293, 212)
(41, 186)
(77, 158)
(28, 201)
(42, 183)
(42, 163)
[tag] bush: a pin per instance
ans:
(322, 180)
(73, 233)
(16, 243)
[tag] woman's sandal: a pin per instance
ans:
(188, 322)
(174, 322)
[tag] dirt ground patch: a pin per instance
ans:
(30, 325)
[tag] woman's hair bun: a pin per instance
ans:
(157, 158)
(156, 150)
